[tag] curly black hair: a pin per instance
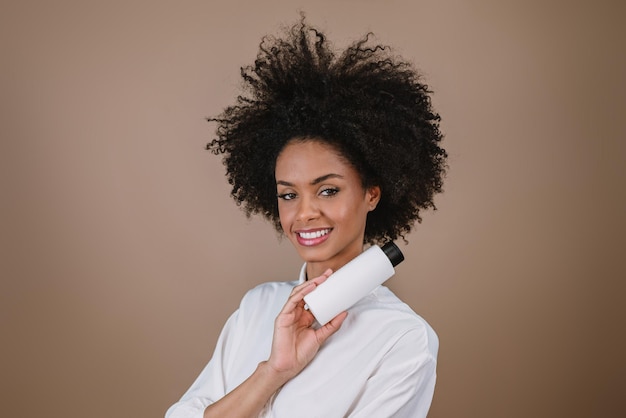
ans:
(371, 106)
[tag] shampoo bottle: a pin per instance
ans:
(353, 281)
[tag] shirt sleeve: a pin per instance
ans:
(210, 385)
(404, 383)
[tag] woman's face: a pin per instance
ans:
(322, 204)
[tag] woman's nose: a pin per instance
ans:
(307, 209)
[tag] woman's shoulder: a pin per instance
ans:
(389, 316)
(268, 294)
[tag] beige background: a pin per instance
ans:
(122, 253)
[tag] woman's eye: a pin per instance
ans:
(331, 191)
(286, 196)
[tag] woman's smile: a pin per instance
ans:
(313, 236)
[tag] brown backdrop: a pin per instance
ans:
(122, 253)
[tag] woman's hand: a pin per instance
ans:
(295, 343)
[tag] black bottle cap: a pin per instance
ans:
(393, 253)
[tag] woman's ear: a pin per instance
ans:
(372, 194)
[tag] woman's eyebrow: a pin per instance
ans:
(326, 177)
(313, 182)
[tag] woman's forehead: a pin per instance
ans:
(311, 159)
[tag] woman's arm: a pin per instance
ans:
(294, 345)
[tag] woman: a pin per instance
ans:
(337, 152)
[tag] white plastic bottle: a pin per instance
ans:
(353, 281)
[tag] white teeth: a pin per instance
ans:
(316, 234)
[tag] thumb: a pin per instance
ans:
(324, 332)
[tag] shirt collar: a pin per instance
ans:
(302, 277)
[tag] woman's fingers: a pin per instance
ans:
(299, 292)
(295, 343)
(321, 279)
(297, 295)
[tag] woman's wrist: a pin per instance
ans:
(248, 399)
(273, 378)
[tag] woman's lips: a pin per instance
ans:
(312, 237)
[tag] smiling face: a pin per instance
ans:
(322, 204)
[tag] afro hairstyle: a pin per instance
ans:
(371, 106)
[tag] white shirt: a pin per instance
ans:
(381, 363)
